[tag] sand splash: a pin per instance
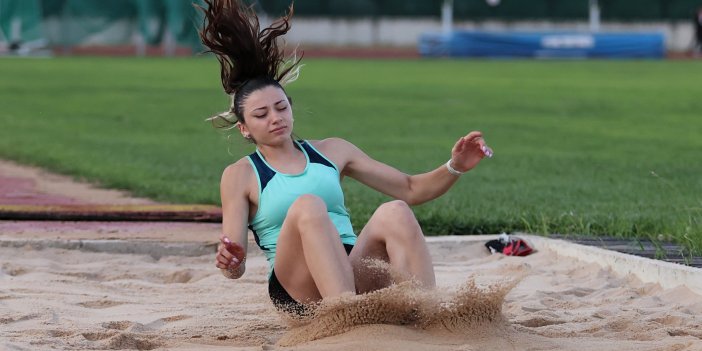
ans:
(466, 307)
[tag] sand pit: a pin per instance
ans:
(69, 299)
(144, 286)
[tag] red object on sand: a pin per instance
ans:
(517, 247)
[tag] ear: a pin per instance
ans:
(243, 130)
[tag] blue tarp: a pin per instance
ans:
(543, 44)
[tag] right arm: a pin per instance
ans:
(234, 190)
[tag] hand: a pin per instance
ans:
(468, 152)
(230, 255)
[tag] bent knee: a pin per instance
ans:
(396, 209)
(306, 203)
(308, 207)
(398, 219)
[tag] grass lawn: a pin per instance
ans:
(586, 147)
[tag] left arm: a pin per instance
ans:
(413, 189)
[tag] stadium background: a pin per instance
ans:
(69, 23)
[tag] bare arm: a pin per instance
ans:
(231, 253)
(413, 189)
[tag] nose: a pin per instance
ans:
(277, 117)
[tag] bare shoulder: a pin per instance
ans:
(339, 151)
(240, 168)
(332, 144)
(237, 173)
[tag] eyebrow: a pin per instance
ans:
(265, 107)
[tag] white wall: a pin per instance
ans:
(405, 32)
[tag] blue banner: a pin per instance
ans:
(543, 44)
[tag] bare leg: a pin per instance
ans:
(311, 262)
(393, 235)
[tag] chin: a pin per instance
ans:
(279, 139)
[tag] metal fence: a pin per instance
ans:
(620, 10)
(70, 23)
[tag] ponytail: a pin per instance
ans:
(246, 54)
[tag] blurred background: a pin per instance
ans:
(629, 28)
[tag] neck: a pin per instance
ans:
(283, 151)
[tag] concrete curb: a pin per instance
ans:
(155, 249)
(668, 275)
(118, 213)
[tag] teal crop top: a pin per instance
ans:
(277, 191)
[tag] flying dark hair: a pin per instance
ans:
(249, 57)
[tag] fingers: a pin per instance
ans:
(222, 263)
(476, 138)
(224, 240)
(473, 135)
(459, 146)
(487, 151)
(237, 250)
(229, 254)
(471, 138)
(224, 248)
(234, 248)
(225, 260)
(468, 151)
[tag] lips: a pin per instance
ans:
(277, 130)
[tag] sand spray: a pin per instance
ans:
(404, 302)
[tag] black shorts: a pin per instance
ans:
(284, 302)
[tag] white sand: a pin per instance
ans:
(59, 299)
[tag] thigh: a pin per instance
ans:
(392, 235)
(369, 246)
(294, 253)
(290, 265)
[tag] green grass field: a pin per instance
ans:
(584, 147)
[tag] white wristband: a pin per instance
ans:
(451, 169)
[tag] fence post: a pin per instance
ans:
(594, 16)
(447, 17)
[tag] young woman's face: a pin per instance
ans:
(268, 116)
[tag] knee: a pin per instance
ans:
(307, 206)
(399, 219)
(395, 211)
(307, 202)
